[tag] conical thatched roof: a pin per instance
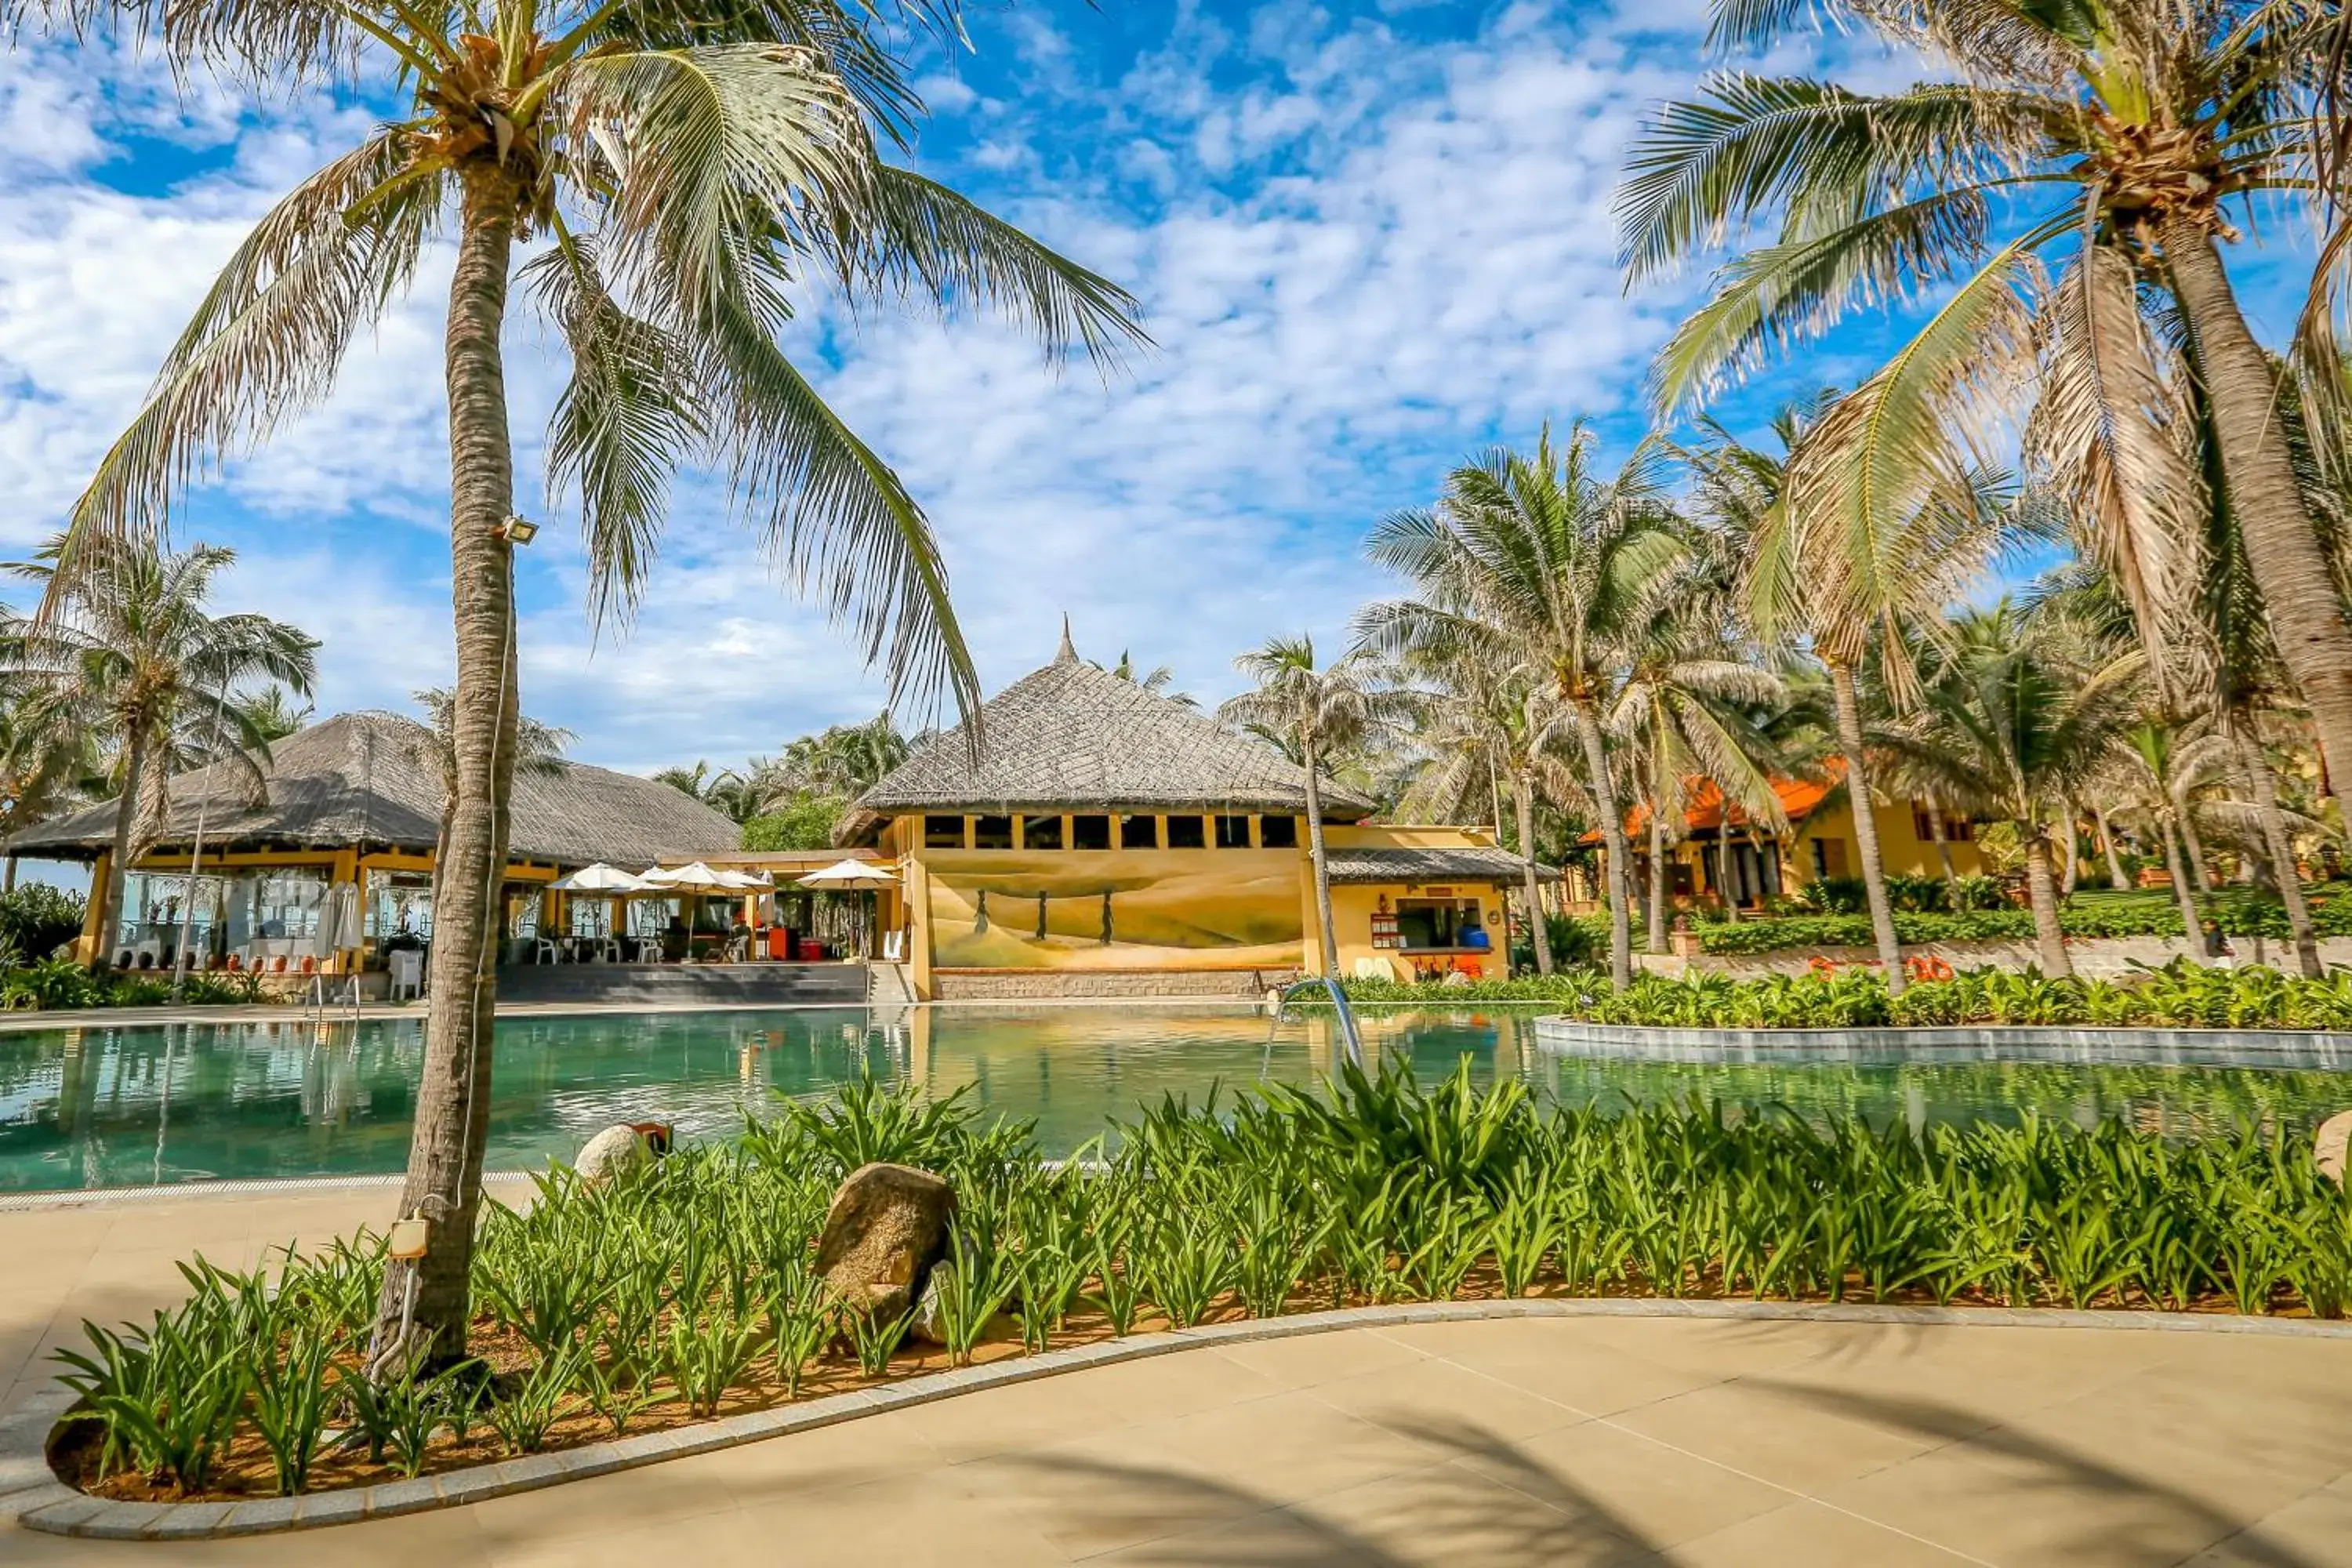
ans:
(374, 779)
(1071, 737)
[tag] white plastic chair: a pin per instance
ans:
(894, 947)
(406, 969)
(547, 953)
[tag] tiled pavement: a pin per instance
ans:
(1532, 1441)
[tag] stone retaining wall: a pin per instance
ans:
(2289, 1048)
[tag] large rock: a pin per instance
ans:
(618, 1154)
(2328, 1148)
(887, 1225)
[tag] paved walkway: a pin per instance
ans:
(1571, 1442)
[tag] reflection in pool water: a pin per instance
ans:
(114, 1107)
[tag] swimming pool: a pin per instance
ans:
(120, 1107)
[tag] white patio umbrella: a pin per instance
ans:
(850, 877)
(750, 881)
(696, 878)
(599, 878)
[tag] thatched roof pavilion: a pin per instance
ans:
(1074, 737)
(372, 780)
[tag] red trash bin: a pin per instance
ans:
(780, 942)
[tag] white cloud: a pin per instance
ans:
(1369, 255)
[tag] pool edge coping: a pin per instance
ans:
(33, 1499)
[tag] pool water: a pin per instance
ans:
(117, 1107)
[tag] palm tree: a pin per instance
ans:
(2155, 768)
(683, 166)
(2016, 733)
(1680, 705)
(1322, 710)
(44, 756)
(129, 650)
(273, 714)
(1155, 681)
(1538, 558)
(2142, 121)
(1482, 728)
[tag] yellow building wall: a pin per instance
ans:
(1903, 850)
(1174, 910)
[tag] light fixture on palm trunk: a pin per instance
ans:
(518, 530)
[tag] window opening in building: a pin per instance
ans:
(1278, 832)
(1090, 833)
(991, 833)
(1041, 833)
(1233, 833)
(943, 833)
(1139, 833)
(1186, 833)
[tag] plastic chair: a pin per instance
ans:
(407, 974)
(545, 951)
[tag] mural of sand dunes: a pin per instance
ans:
(1116, 910)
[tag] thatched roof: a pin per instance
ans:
(1071, 737)
(373, 779)
(1467, 864)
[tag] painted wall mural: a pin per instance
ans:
(1133, 908)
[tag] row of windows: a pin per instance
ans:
(1103, 831)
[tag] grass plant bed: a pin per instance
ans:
(689, 1296)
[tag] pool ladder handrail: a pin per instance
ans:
(1355, 1041)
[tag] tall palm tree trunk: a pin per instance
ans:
(1654, 911)
(2042, 891)
(2195, 847)
(1866, 825)
(1320, 864)
(452, 1125)
(1616, 874)
(7, 873)
(2115, 878)
(2307, 616)
(1725, 867)
(2072, 870)
(1523, 800)
(1943, 842)
(2280, 851)
(118, 865)
(2191, 922)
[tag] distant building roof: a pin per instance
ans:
(1071, 737)
(1799, 798)
(374, 779)
(1471, 863)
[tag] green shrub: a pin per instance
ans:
(1372, 1186)
(35, 919)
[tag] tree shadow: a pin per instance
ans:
(1479, 1495)
(2154, 1523)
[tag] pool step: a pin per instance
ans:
(686, 985)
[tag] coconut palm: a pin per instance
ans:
(841, 762)
(128, 649)
(2154, 770)
(1155, 681)
(44, 756)
(273, 713)
(1485, 730)
(1538, 558)
(680, 168)
(1680, 705)
(2015, 733)
(1323, 709)
(2108, 134)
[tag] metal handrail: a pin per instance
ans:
(1355, 1041)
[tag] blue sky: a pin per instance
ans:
(1369, 239)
